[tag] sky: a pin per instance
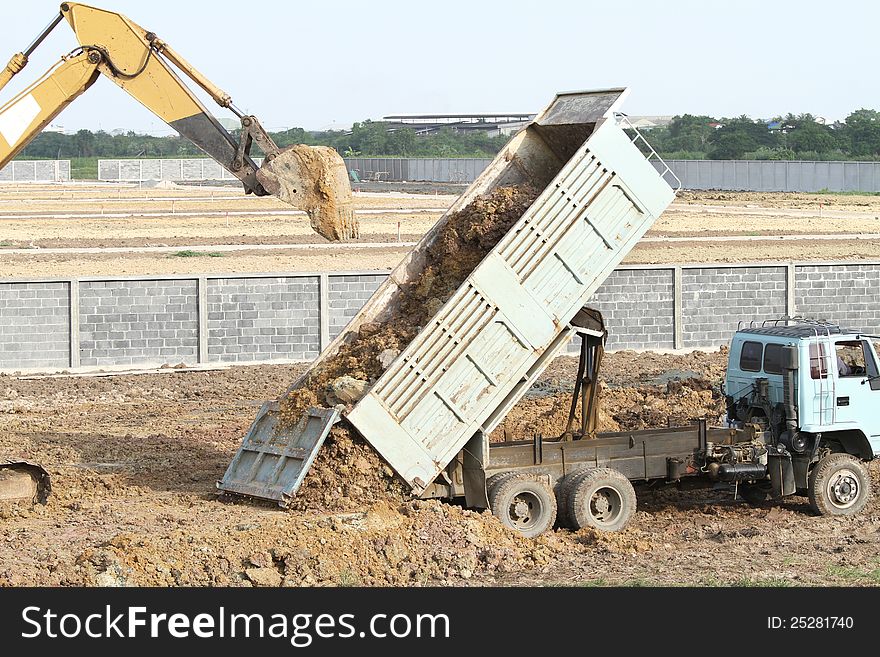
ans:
(325, 64)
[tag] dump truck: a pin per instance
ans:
(493, 337)
(311, 178)
(430, 413)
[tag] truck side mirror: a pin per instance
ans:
(789, 357)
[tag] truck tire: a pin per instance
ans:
(564, 491)
(496, 479)
(524, 504)
(602, 498)
(839, 485)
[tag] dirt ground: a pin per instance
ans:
(188, 217)
(134, 460)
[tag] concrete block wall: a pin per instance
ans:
(845, 293)
(253, 319)
(637, 305)
(36, 171)
(347, 295)
(34, 325)
(131, 322)
(715, 299)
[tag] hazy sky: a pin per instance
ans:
(325, 64)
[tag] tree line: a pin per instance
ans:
(788, 137)
(366, 138)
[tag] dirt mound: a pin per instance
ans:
(679, 402)
(460, 246)
(409, 544)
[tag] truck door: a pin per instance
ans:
(856, 399)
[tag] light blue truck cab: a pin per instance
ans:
(814, 390)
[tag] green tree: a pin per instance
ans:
(84, 143)
(689, 133)
(739, 136)
(807, 135)
(863, 132)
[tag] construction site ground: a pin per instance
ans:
(134, 459)
(112, 230)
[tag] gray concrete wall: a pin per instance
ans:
(34, 325)
(637, 305)
(715, 299)
(129, 322)
(145, 322)
(846, 293)
(253, 319)
(776, 175)
(745, 175)
(36, 171)
(347, 295)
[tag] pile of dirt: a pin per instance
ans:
(677, 403)
(464, 240)
(409, 544)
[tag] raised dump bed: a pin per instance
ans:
(479, 353)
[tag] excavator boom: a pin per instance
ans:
(312, 179)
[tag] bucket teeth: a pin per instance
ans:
(314, 179)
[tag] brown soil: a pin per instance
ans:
(314, 179)
(637, 391)
(134, 460)
(702, 214)
(462, 243)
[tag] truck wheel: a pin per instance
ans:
(839, 485)
(564, 491)
(602, 498)
(496, 479)
(756, 493)
(524, 504)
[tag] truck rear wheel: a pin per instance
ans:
(524, 504)
(839, 485)
(564, 491)
(493, 481)
(603, 499)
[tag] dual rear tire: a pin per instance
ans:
(598, 498)
(523, 503)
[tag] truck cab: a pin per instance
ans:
(813, 388)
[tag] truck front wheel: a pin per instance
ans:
(524, 504)
(839, 485)
(601, 498)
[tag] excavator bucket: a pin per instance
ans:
(314, 179)
(23, 481)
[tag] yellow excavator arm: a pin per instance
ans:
(312, 178)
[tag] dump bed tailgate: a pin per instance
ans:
(473, 352)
